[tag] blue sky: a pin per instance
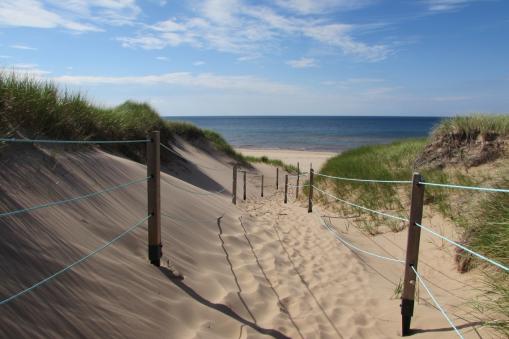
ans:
(282, 57)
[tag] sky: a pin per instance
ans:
(281, 57)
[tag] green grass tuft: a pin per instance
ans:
(274, 162)
(385, 162)
(485, 219)
(470, 127)
(39, 109)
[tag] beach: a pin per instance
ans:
(234, 169)
(291, 157)
(251, 270)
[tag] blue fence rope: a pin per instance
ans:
(480, 256)
(35, 141)
(75, 199)
(302, 174)
(361, 207)
(436, 303)
(170, 150)
(199, 193)
(505, 268)
(180, 156)
(353, 247)
(366, 180)
(81, 260)
(485, 189)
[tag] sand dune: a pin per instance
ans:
(292, 156)
(258, 269)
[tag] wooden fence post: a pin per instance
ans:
(277, 178)
(310, 193)
(412, 253)
(244, 185)
(286, 188)
(234, 185)
(262, 185)
(154, 199)
(298, 180)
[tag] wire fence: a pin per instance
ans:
(361, 207)
(474, 188)
(199, 166)
(466, 249)
(328, 227)
(432, 184)
(415, 223)
(365, 180)
(75, 263)
(331, 230)
(354, 248)
(75, 199)
(437, 304)
(41, 141)
(204, 192)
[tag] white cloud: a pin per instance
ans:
(26, 70)
(145, 42)
(31, 13)
(74, 15)
(196, 81)
(24, 47)
(162, 58)
(320, 6)
(302, 63)
(5, 56)
(446, 5)
(199, 63)
(221, 11)
(339, 35)
(234, 26)
(111, 12)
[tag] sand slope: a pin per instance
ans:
(258, 269)
(305, 158)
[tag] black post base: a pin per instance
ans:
(407, 310)
(405, 325)
(155, 252)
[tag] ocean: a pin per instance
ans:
(317, 133)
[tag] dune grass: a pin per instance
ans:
(274, 162)
(470, 127)
(39, 109)
(484, 218)
(384, 162)
(487, 232)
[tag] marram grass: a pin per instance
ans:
(39, 109)
(484, 220)
(470, 127)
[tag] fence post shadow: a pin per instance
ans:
(178, 282)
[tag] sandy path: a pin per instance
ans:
(323, 297)
(328, 291)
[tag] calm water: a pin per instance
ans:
(314, 133)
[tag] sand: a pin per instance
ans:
(291, 157)
(259, 269)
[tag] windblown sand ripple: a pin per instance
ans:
(258, 269)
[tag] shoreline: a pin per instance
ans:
(291, 157)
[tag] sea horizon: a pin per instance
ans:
(313, 133)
